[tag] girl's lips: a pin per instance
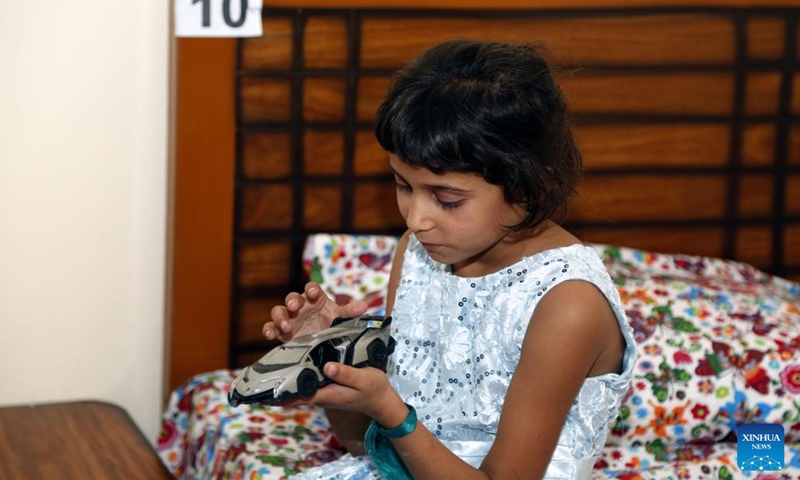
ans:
(431, 246)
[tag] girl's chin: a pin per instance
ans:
(438, 253)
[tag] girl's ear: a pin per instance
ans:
(523, 209)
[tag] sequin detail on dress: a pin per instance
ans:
(459, 342)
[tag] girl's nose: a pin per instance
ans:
(418, 218)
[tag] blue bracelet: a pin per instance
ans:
(400, 431)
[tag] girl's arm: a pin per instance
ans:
(351, 426)
(573, 334)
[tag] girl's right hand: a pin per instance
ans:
(308, 313)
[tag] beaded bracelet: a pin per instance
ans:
(400, 431)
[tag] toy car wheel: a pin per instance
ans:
(377, 354)
(307, 383)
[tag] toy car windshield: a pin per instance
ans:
(283, 357)
(295, 368)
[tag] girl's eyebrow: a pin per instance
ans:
(437, 187)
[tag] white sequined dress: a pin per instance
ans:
(459, 342)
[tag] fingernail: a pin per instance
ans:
(330, 369)
(291, 303)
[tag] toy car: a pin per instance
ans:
(294, 369)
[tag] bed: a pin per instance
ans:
(688, 120)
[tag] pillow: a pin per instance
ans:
(718, 344)
(351, 267)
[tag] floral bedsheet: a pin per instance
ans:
(202, 437)
(719, 345)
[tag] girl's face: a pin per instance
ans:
(458, 217)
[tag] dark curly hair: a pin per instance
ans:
(487, 108)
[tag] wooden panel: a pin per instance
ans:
(625, 40)
(690, 241)
(758, 144)
(791, 245)
(370, 157)
(796, 90)
(323, 207)
(266, 155)
(797, 44)
(686, 93)
(669, 145)
(765, 37)
(754, 246)
(264, 99)
(323, 152)
(263, 264)
(325, 43)
(793, 195)
(763, 91)
(678, 94)
(323, 99)
(376, 207)
(253, 314)
(641, 197)
(794, 144)
(273, 50)
(755, 196)
(370, 97)
(266, 208)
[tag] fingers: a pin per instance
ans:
(270, 331)
(355, 308)
(344, 375)
(307, 312)
(277, 331)
(294, 302)
(341, 394)
(280, 323)
(279, 314)
(365, 390)
(313, 291)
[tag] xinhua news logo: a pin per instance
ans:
(760, 447)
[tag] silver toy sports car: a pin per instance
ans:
(294, 369)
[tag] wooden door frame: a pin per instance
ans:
(201, 196)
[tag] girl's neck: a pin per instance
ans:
(514, 247)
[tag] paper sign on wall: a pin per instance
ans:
(218, 18)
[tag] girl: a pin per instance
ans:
(513, 351)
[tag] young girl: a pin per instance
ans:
(513, 351)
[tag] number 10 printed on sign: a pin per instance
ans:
(218, 18)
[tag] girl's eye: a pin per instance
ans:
(402, 186)
(449, 205)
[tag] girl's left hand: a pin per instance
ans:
(364, 390)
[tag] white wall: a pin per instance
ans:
(83, 182)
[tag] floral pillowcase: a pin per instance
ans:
(719, 345)
(719, 341)
(351, 267)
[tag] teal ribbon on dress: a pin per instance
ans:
(383, 454)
